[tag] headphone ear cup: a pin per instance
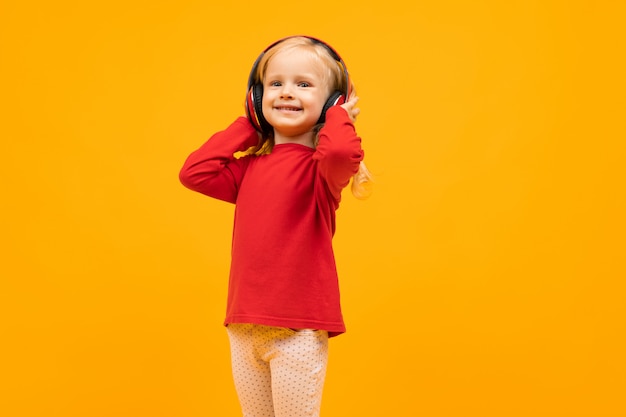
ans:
(250, 110)
(258, 106)
(335, 99)
(254, 108)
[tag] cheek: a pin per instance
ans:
(320, 101)
(268, 97)
(266, 102)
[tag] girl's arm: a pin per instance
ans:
(339, 150)
(212, 169)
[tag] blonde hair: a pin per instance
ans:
(334, 77)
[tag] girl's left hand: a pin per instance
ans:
(350, 107)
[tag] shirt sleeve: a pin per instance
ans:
(212, 169)
(338, 152)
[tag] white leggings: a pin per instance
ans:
(278, 372)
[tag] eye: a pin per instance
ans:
(275, 84)
(304, 84)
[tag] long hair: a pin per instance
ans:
(334, 77)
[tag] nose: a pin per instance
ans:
(286, 92)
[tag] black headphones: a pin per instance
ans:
(254, 98)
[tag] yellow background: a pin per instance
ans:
(485, 276)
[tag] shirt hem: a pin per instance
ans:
(333, 329)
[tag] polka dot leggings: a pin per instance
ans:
(278, 372)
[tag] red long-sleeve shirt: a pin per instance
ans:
(283, 269)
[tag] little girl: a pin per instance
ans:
(296, 151)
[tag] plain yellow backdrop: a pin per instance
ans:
(484, 277)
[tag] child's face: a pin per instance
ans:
(294, 93)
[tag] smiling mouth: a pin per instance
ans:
(287, 108)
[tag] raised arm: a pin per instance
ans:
(212, 169)
(338, 152)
